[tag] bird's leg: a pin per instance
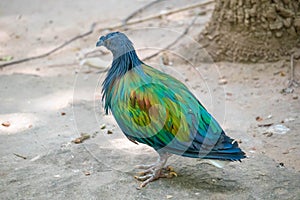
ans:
(154, 171)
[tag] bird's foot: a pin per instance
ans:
(155, 171)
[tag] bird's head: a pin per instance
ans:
(117, 42)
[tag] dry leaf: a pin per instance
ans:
(165, 59)
(6, 58)
(282, 73)
(258, 118)
(103, 126)
(6, 124)
(80, 139)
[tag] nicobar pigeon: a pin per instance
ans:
(156, 109)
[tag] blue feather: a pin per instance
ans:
(128, 73)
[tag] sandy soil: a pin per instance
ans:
(50, 102)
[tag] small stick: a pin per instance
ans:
(138, 11)
(265, 125)
(174, 42)
(20, 156)
(84, 136)
(292, 67)
(103, 70)
(52, 51)
(103, 28)
(157, 15)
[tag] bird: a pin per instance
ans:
(156, 109)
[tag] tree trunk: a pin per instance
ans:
(252, 30)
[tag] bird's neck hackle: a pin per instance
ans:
(120, 66)
(123, 63)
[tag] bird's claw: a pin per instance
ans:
(169, 175)
(153, 173)
(169, 172)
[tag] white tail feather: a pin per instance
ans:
(218, 163)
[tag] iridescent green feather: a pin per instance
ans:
(154, 108)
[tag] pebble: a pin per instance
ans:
(87, 173)
(295, 97)
(269, 116)
(281, 165)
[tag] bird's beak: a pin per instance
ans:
(100, 41)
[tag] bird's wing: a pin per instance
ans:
(156, 109)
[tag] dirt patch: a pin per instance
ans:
(256, 31)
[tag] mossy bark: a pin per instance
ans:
(252, 30)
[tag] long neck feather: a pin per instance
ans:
(119, 67)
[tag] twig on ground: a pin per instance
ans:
(103, 28)
(174, 42)
(124, 21)
(53, 50)
(102, 71)
(120, 25)
(20, 156)
(83, 136)
(96, 52)
(265, 125)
